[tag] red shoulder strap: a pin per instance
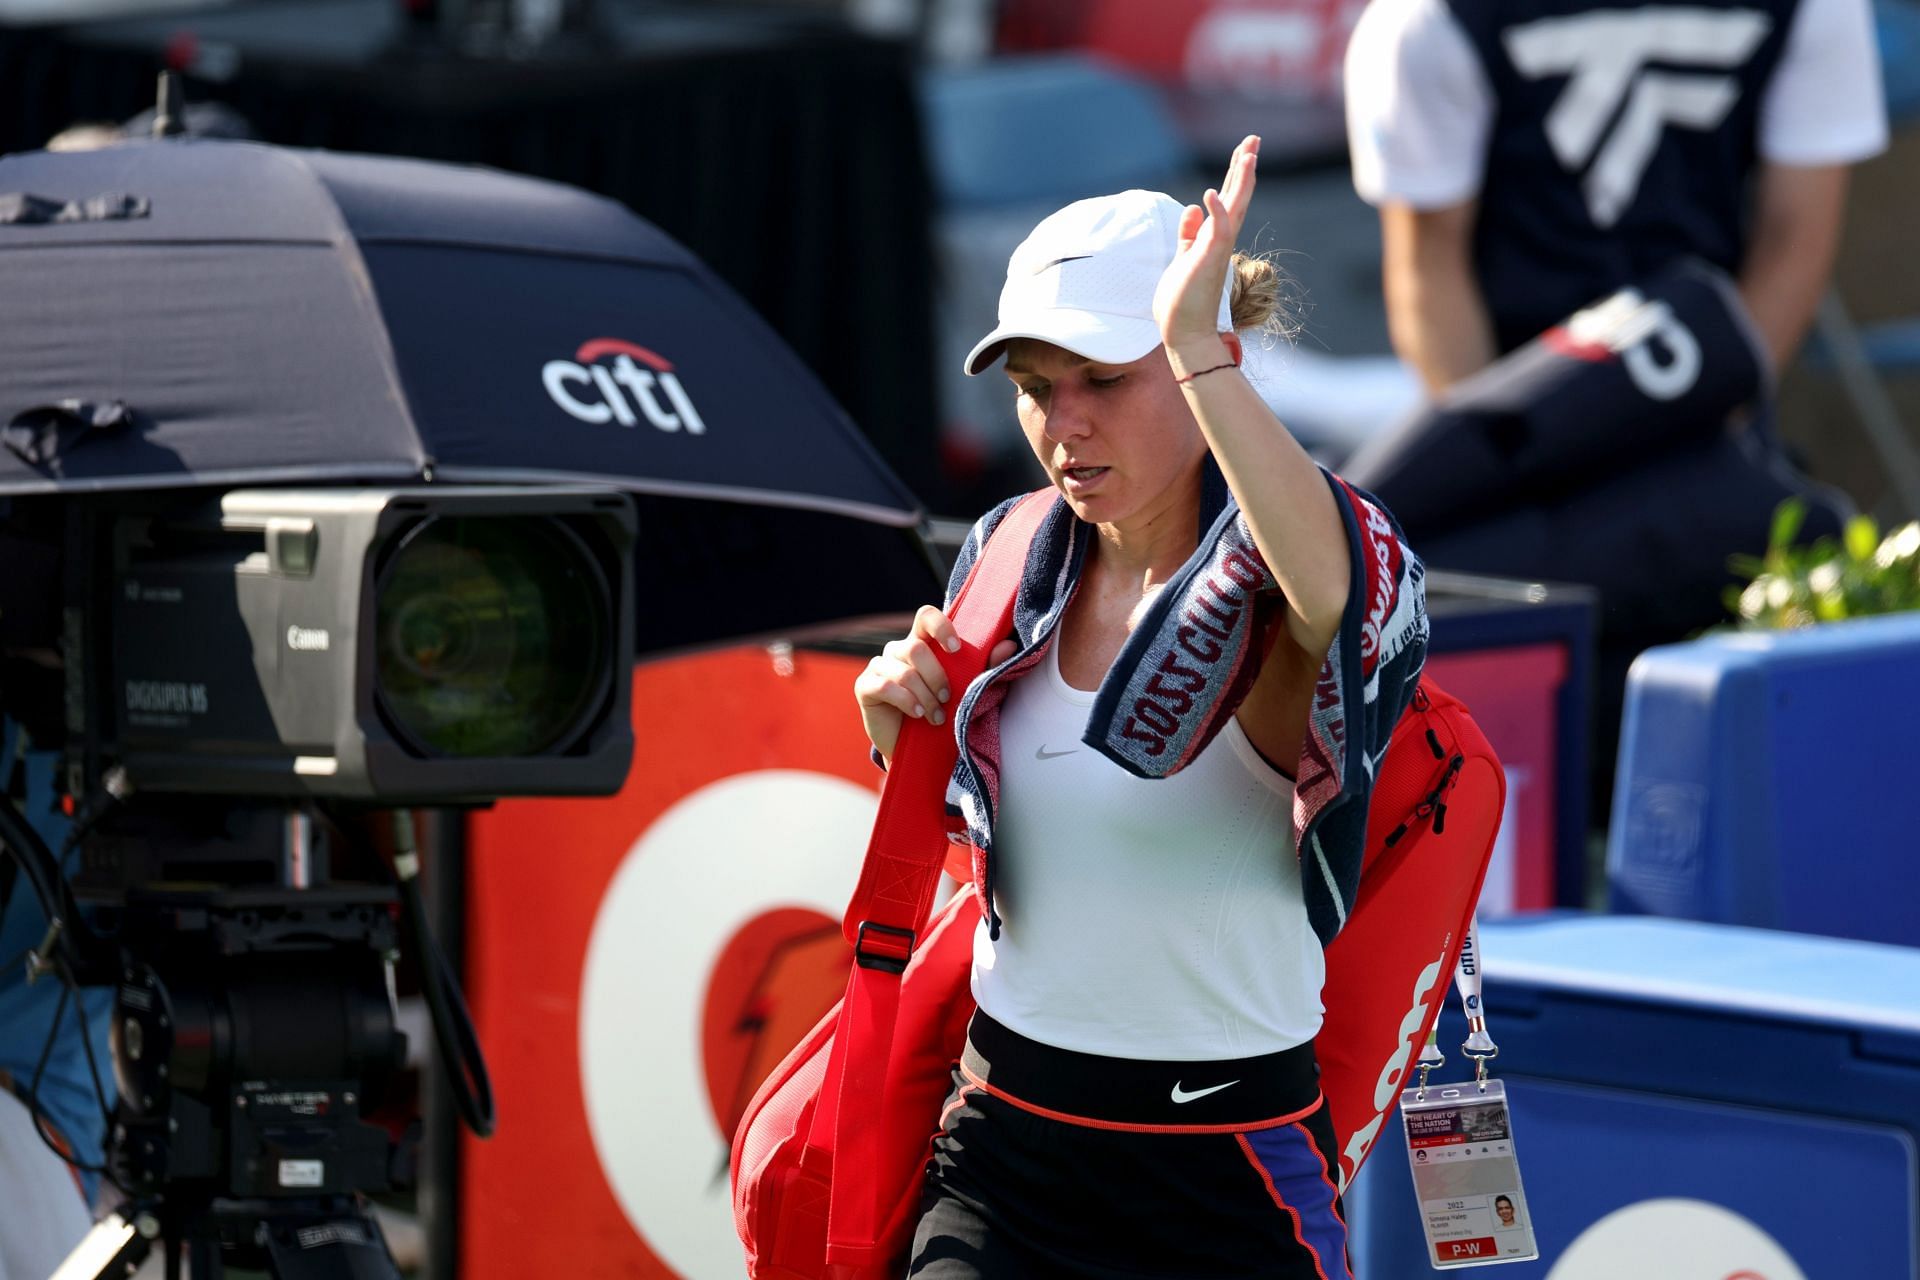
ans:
(908, 844)
(894, 897)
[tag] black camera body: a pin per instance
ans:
(251, 1038)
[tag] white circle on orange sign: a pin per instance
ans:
(1679, 1239)
(722, 856)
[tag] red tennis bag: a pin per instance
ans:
(1437, 801)
(830, 1155)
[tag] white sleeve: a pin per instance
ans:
(1825, 104)
(1419, 107)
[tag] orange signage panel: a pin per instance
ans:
(636, 965)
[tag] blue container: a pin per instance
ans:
(1690, 1102)
(1768, 778)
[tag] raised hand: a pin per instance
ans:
(1187, 302)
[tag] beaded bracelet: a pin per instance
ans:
(1204, 372)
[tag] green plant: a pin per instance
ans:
(1855, 575)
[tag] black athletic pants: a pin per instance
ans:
(1057, 1164)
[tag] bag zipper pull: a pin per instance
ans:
(1439, 797)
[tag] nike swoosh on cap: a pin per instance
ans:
(1181, 1095)
(1044, 754)
(1057, 261)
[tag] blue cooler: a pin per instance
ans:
(1690, 1102)
(1768, 779)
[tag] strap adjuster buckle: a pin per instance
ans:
(885, 961)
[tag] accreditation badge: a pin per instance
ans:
(1466, 1177)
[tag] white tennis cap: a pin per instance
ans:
(1084, 280)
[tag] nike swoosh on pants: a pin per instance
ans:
(1182, 1095)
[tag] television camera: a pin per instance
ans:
(240, 681)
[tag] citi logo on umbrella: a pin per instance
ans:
(609, 380)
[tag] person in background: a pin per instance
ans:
(1139, 1094)
(1528, 160)
(44, 1199)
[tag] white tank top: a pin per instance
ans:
(1143, 918)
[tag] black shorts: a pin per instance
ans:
(1055, 1164)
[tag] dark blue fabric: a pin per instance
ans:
(1557, 417)
(202, 191)
(1301, 1182)
(300, 315)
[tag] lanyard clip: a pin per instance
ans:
(1431, 1060)
(1480, 1047)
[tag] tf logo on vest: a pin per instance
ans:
(611, 380)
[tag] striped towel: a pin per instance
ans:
(1191, 659)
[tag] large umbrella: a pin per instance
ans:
(199, 313)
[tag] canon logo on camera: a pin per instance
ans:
(605, 382)
(311, 639)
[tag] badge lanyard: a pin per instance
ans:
(1478, 1045)
(1466, 1173)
